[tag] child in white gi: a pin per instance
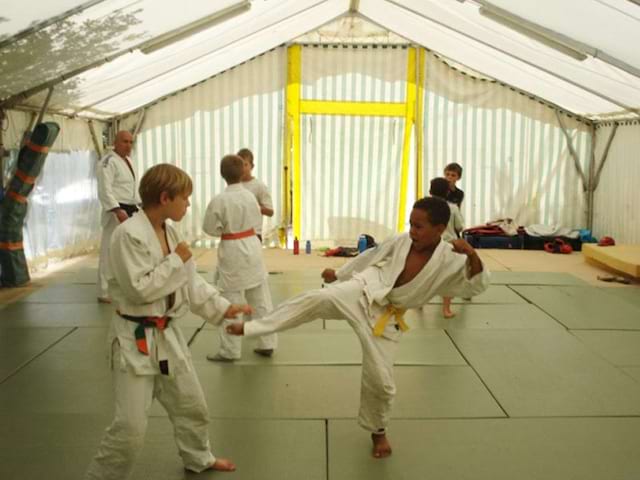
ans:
(255, 186)
(234, 216)
(403, 272)
(153, 283)
(440, 187)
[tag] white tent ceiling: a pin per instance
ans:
(606, 81)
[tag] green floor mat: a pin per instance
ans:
(19, 346)
(492, 449)
(339, 347)
(27, 315)
(494, 294)
(584, 307)
(235, 391)
(621, 348)
(535, 278)
(547, 373)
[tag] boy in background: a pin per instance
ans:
(439, 188)
(453, 173)
(255, 186)
(234, 216)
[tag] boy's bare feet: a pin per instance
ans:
(223, 465)
(448, 313)
(381, 446)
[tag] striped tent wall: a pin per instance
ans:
(515, 156)
(195, 128)
(350, 165)
(616, 211)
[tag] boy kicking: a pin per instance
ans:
(372, 293)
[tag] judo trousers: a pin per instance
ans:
(346, 301)
(103, 263)
(182, 398)
(259, 298)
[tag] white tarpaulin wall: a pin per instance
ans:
(351, 164)
(194, 129)
(616, 210)
(515, 156)
(63, 217)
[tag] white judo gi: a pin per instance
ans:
(362, 296)
(241, 273)
(261, 192)
(455, 225)
(144, 282)
(116, 185)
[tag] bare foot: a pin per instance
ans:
(381, 446)
(448, 314)
(104, 300)
(223, 465)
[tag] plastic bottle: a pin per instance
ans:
(296, 246)
(362, 244)
(307, 247)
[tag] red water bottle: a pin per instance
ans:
(296, 246)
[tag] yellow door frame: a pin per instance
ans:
(296, 106)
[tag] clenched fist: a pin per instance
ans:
(183, 251)
(329, 275)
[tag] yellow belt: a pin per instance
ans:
(391, 310)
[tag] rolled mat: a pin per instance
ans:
(14, 271)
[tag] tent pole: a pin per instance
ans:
(44, 106)
(605, 155)
(27, 132)
(574, 155)
(586, 183)
(590, 191)
(139, 123)
(94, 137)
(595, 174)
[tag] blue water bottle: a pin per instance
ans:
(362, 244)
(307, 247)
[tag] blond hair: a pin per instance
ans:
(163, 177)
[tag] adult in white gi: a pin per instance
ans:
(154, 278)
(119, 199)
(234, 216)
(403, 272)
(255, 186)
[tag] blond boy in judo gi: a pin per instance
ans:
(153, 283)
(373, 292)
(234, 216)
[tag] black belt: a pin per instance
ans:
(129, 209)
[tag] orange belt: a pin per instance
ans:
(236, 236)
